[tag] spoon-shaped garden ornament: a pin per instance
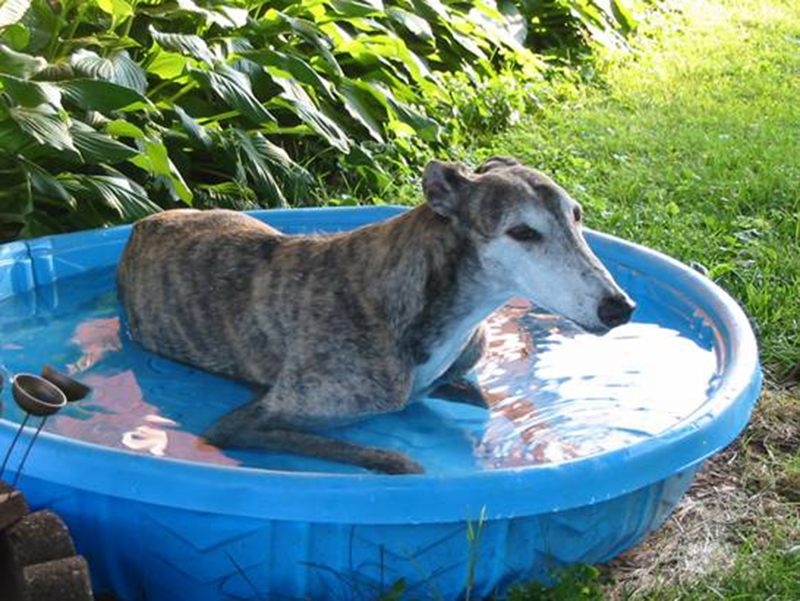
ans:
(35, 396)
(72, 389)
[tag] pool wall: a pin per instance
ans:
(165, 529)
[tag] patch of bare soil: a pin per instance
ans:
(735, 497)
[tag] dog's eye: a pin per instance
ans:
(523, 233)
(576, 214)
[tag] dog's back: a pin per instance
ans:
(176, 267)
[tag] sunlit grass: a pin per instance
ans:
(693, 148)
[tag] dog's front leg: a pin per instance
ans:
(453, 385)
(278, 421)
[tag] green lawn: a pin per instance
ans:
(692, 147)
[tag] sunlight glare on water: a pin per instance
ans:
(555, 392)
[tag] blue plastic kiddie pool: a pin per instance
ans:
(588, 444)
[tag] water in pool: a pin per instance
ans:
(556, 393)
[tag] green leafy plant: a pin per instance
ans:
(113, 109)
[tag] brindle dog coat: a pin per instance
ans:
(328, 329)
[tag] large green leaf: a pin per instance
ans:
(302, 105)
(228, 195)
(155, 159)
(169, 65)
(358, 8)
(45, 126)
(314, 35)
(124, 196)
(234, 88)
(17, 36)
(30, 93)
(280, 64)
(124, 129)
(221, 15)
(12, 11)
(415, 24)
(623, 16)
(190, 44)
(363, 102)
(45, 186)
(96, 147)
(118, 9)
(104, 96)
(195, 131)
(19, 64)
(257, 167)
(88, 63)
(128, 73)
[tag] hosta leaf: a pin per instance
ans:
(90, 64)
(259, 174)
(365, 48)
(288, 66)
(170, 65)
(46, 127)
(314, 35)
(48, 186)
(358, 8)
(413, 23)
(31, 93)
(123, 129)
(103, 96)
(42, 21)
(118, 9)
(127, 198)
(623, 16)
(155, 159)
(273, 153)
(96, 147)
(196, 131)
(17, 36)
(360, 100)
(128, 73)
(515, 22)
(225, 17)
(432, 10)
(12, 11)
(307, 111)
(193, 45)
(19, 64)
(235, 90)
(228, 195)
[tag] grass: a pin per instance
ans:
(692, 146)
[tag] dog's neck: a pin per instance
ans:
(425, 276)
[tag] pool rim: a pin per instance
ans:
(371, 498)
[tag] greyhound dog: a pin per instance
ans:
(331, 329)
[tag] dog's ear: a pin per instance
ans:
(444, 184)
(496, 163)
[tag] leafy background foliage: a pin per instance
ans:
(113, 109)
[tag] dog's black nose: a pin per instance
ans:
(615, 310)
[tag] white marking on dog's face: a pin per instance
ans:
(539, 252)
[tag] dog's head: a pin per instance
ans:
(528, 234)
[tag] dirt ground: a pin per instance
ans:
(734, 503)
